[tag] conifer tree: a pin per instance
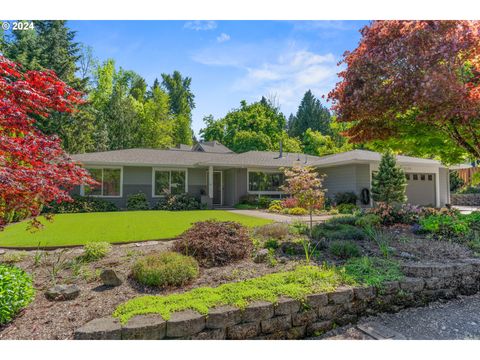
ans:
(389, 183)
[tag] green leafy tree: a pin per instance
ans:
(256, 126)
(181, 105)
(389, 183)
(310, 115)
(315, 143)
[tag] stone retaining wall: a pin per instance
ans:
(290, 319)
(465, 199)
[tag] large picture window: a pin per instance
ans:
(109, 179)
(265, 181)
(169, 182)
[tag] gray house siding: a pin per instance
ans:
(362, 172)
(229, 187)
(339, 179)
(197, 181)
(136, 180)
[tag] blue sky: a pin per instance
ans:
(228, 61)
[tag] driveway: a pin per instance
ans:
(281, 217)
(467, 209)
(457, 319)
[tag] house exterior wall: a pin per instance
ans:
(229, 187)
(339, 179)
(136, 180)
(197, 181)
(444, 179)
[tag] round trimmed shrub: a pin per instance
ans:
(165, 269)
(215, 243)
(16, 291)
(137, 202)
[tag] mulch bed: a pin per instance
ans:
(44, 319)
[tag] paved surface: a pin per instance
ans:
(280, 217)
(467, 209)
(457, 319)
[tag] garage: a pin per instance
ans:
(420, 189)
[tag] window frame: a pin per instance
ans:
(260, 192)
(154, 169)
(82, 188)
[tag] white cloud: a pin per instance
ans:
(200, 25)
(292, 74)
(223, 37)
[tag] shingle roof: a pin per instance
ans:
(212, 147)
(151, 157)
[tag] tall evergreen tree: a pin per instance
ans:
(310, 115)
(389, 183)
(181, 105)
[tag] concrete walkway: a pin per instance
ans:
(281, 217)
(467, 209)
(457, 319)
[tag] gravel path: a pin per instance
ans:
(457, 319)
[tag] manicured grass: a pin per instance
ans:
(296, 284)
(114, 227)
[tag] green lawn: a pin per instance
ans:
(114, 227)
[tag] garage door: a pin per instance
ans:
(421, 189)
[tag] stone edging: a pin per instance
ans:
(465, 199)
(289, 319)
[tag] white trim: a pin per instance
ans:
(276, 171)
(82, 187)
(165, 169)
(207, 175)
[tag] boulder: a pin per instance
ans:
(62, 292)
(110, 278)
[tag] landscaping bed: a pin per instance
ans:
(218, 264)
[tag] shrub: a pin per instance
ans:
(275, 208)
(275, 230)
(347, 208)
(469, 190)
(215, 243)
(289, 203)
(16, 291)
(271, 244)
(346, 198)
(389, 183)
(245, 206)
(96, 250)
(80, 204)
(344, 249)
(12, 257)
(263, 202)
(296, 211)
(373, 271)
(178, 202)
(298, 228)
(368, 220)
(137, 202)
(395, 213)
(344, 219)
(165, 269)
(337, 232)
(445, 226)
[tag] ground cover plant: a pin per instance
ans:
(215, 243)
(333, 231)
(296, 284)
(16, 291)
(96, 250)
(344, 249)
(114, 227)
(165, 269)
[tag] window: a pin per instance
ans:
(407, 176)
(169, 182)
(268, 182)
(430, 177)
(415, 177)
(110, 180)
(422, 177)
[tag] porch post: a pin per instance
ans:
(437, 187)
(210, 182)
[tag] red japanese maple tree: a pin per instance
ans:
(34, 170)
(423, 76)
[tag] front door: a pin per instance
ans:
(217, 188)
